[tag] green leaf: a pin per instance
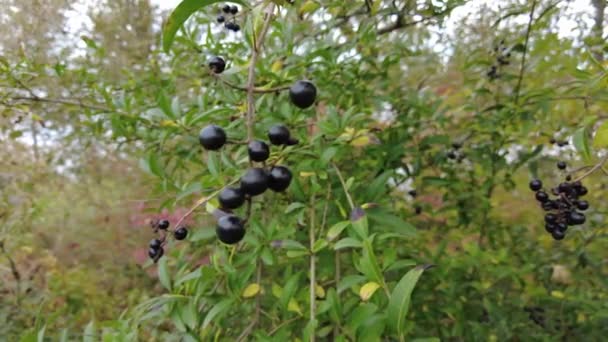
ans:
(89, 334)
(212, 164)
(319, 245)
(180, 14)
(399, 302)
(163, 273)
(336, 229)
(41, 333)
(369, 263)
(219, 308)
(581, 143)
(601, 136)
(294, 206)
(347, 243)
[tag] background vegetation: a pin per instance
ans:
(99, 131)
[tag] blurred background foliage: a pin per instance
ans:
(98, 131)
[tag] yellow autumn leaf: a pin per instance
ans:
(558, 294)
(168, 123)
(277, 291)
(348, 134)
(368, 290)
(361, 141)
(319, 291)
(276, 66)
(293, 306)
(251, 290)
(242, 108)
(304, 174)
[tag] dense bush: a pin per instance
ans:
(408, 215)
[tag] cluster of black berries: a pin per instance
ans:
(502, 59)
(455, 153)
(155, 250)
(562, 211)
(230, 22)
(256, 180)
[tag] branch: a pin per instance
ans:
(68, 102)
(523, 57)
(313, 278)
(255, 90)
(257, 46)
(593, 169)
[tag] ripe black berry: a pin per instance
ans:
(542, 196)
(582, 205)
(292, 141)
(230, 229)
(456, 145)
(552, 141)
(303, 94)
(217, 64)
(558, 234)
(575, 218)
(550, 218)
(155, 243)
(230, 25)
(234, 10)
(550, 227)
(258, 151)
(561, 165)
(236, 27)
(412, 193)
(220, 19)
(561, 226)
(417, 210)
(180, 233)
(254, 182)
(279, 179)
(581, 191)
(278, 135)
(536, 185)
(231, 198)
(156, 253)
(163, 224)
(562, 143)
(451, 155)
(226, 9)
(568, 178)
(548, 205)
(212, 137)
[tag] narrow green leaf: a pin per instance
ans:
(219, 308)
(369, 263)
(335, 230)
(601, 136)
(399, 302)
(347, 243)
(581, 143)
(180, 14)
(89, 334)
(163, 273)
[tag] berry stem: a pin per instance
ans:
(313, 278)
(520, 78)
(593, 169)
(257, 47)
(350, 200)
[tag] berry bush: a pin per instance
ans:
(350, 174)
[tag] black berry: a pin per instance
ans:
(412, 193)
(231, 198)
(180, 233)
(562, 143)
(417, 210)
(558, 234)
(234, 10)
(279, 179)
(254, 182)
(212, 137)
(220, 19)
(217, 64)
(550, 227)
(226, 9)
(561, 165)
(581, 191)
(542, 196)
(155, 244)
(156, 253)
(536, 185)
(292, 141)
(568, 178)
(552, 141)
(163, 224)
(230, 229)
(451, 155)
(303, 94)
(230, 25)
(456, 145)
(278, 135)
(575, 218)
(236, 27)
(258, 151)
(550, 218)
(561, 226)
(582, 205)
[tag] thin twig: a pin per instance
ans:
(65, 102)
(257, 46)
(593, 169)
(284, 323)
(523, 57)
(255, 90)
(313, 278)
(350, 200)
(256, 317)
